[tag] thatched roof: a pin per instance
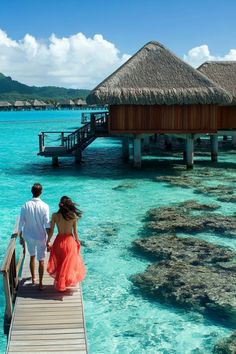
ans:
(37, 103)
(222, 73)
(5, 104)
(154, 75)
(19, 104)
(67, 102)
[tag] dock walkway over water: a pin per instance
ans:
(67, 144)
(45, 321)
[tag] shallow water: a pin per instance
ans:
(118, 318)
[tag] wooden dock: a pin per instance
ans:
(46, 321)
(71, 144)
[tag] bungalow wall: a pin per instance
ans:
(226, 117)
(138, 119)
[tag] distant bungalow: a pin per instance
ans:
(223, 73)
(80, 103)
(37, 104)
(5, 106)
(19, 105)
(156, 92)
(66, 104)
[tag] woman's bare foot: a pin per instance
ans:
(41, 287)
(33, 281)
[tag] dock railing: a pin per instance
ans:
(59, 136)
(10, 271)
(69, 141)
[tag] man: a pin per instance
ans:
(33, 225)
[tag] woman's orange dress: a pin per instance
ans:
(65, 263)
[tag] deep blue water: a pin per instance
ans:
(118, 318)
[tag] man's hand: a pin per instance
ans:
(22, 242)
(49, 246)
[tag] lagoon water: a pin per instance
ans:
(118, 318)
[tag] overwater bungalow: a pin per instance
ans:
(156, 92)
(80, 103)
(223, 73)
(67, 104)
(5, 106)
(37, 104)
(19, 105)
(28, 105)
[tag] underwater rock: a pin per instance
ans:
(204, 288)
(226, 345)
(194, 205)
(190, 250)
(179, 219)
(227, 198)
(124, 186)
(215, 190)
(179, 181)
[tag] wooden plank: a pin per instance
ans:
(52, 347)
(49, 342)
(80, 351)
(39, 336)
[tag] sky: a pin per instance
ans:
(74, 43)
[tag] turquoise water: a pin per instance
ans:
(118, 318)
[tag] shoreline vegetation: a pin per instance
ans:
(17, 96)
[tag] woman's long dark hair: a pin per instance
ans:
(68, 209)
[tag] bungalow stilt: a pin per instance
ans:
(146, 143)
(55, 161)
(137, 153)
(214, 148)
(234, 141)
(125, 148)
(189, 152)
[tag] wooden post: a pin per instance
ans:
(189, 152)
(55, 161)
(146, 143)
(125, 148)
(168, 143)
(41, 142)
(214, 147)
(234, 141)
(93, 123)
(78, 156)
(62, 138)
(137, 153)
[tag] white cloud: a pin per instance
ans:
(76, 61)
(198, 55)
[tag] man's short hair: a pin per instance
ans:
(36, 190)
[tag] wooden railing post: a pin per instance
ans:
(62, 138)
(41, 142)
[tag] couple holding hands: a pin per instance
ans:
(65, 263)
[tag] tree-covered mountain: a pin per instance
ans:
(11, 90)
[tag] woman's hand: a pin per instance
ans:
(49, 246)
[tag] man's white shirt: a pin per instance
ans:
(34, 220)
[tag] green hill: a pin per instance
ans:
(11, 90)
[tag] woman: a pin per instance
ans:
(65, 264)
